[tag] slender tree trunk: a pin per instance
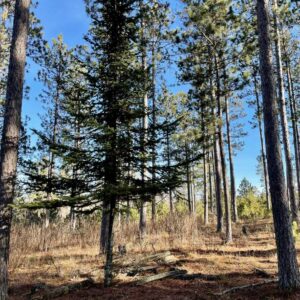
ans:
(104, 227)
(11, 133)
(169, 166)
(283, 118)
(231, 166)
(205, 196)
(295, 129)
(143, 208)
(288, 272)
(211, 196)
(108, 270)
(143, 222)
(218, 172)
(154, 130)
(128, 211)
(75, 175)
(193, 192)
(51, 161)
(188, 179)
(223, 160)
(110, 199)
(262, 145)
(294, 124)
(205, 190)
(218, 167)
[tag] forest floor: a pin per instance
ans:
(250, 259)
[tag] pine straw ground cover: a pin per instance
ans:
(72, 257)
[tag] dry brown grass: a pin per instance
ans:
(197, 249)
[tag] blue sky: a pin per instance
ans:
(68, 17)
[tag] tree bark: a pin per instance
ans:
(169, 165)
(205, 190)
(104, 227)
(262, 145)
(231, 166)
(222, 157)
(205, 196)
(11, 133)
(144, 137)
(287, 259)
(154, 130)
(283, 118)
(218, 168)
(294, 117)
(188, 179)
(211, 196)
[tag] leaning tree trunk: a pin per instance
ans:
(11, 132)
(288, 272)
(231, 166)
(283, 118)
(262, 145)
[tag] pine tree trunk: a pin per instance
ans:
(223, 159)
(75, 171)
(211, 196)
(294, 118)
(231, 166)
(154, 130)
(188, 179)
(193, 191)
(143, 215)
(205, 190)
(104, 227)
(128, 211)
(51, 162)
(283, 118)
(144, 137)
(169, 165)
(288, 272)
(11, 133)
(218, 172)
(218, 169)
(262, 145)
(108, 271)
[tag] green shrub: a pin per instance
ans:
(252, 206)
(295, 230)
(181, 207)
(162, 209)
(200, 209)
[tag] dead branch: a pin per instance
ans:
(148, 279)
(248, 286)
(62, 290)
(134, 271)
(199, 276)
